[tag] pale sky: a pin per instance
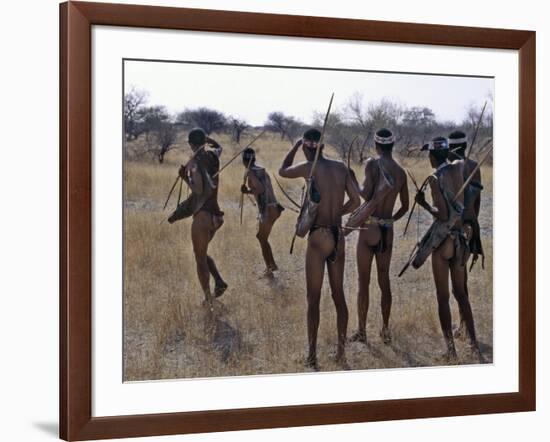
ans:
(253, 92)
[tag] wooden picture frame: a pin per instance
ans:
(76, 421)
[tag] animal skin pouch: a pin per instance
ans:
(307, 215)
(440, 230)
(194, 203)
(365, 210)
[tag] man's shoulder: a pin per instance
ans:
(212, 155)
(371, 164)
(398, 168)
(370, 161)
(336, 164)
(258, 171)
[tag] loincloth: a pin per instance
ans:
(216, 216)
(385, 225)
(335, 231)
(262, 213)
(461, 246)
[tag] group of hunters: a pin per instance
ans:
(332, 191)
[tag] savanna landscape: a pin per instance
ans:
(259, 325)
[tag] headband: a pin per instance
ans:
(384, 140)
(436, 145)
(457, 140)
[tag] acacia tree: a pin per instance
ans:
(238, 127)
(209, 120)
(417, 126)
(284, 125)
(134, 100)
(366, 119)
(151, 118)
(166, 135)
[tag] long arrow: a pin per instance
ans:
(238, 153)
(477, 129)
(472, 174)
(317, 151)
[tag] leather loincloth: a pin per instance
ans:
(335, 231)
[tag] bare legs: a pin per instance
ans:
(264, 231)
(444, 260)
(367, 239)
(320, 246)
(202, 232)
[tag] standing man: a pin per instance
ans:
(472, 205)
(451, 253)
(259, 185)
(199, 174)
(325, 243)
(376, 236)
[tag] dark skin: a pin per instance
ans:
(256, 188)
(333, 182)
(204, 225)
(371, 236)
(469, 214)
(445, 260)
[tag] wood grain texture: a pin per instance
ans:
(76, 19)
(76, 256)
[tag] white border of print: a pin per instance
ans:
(113, 397)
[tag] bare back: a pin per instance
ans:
(330, 178)
(449, 182)
(373, 177)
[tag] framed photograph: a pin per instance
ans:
(274, 220)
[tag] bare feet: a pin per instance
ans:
(476, 353)
(340, 358)
(450, 356)
(220, 288)
(460, 331)
(267, 274)
(385, 334)
(358, 336)
(311, 362)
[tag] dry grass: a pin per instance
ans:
(259, 325)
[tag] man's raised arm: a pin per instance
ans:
(287, 170)
(214, 146)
